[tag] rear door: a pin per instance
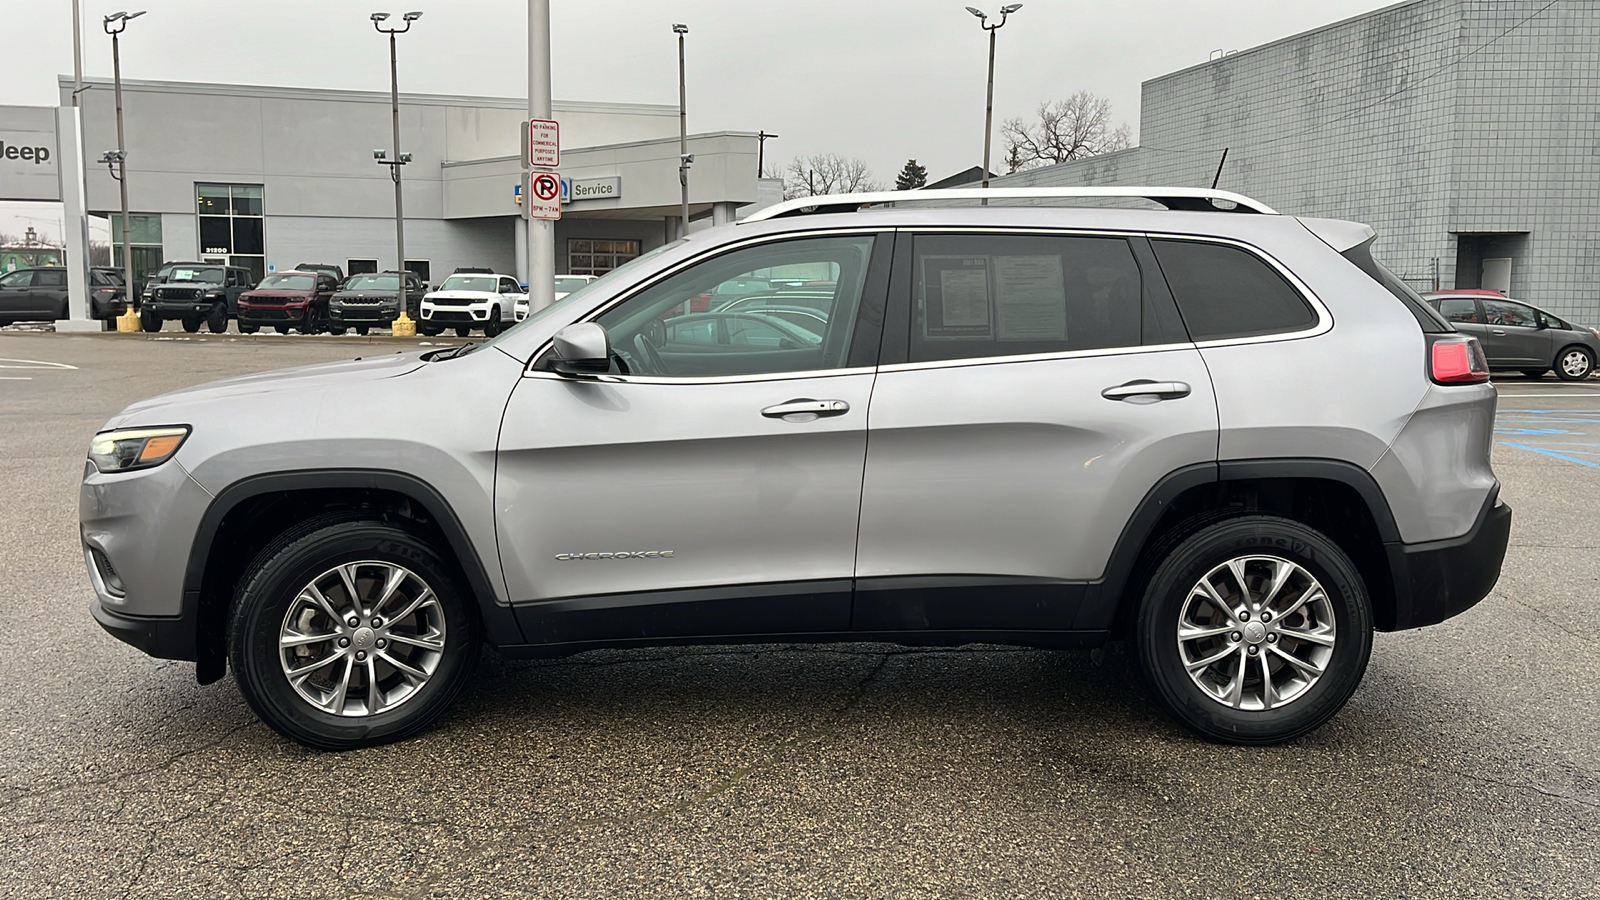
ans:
(1034, 387)
(48, 297)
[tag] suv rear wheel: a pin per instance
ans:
(1574, 364)
(347, 633)
(1254, 629)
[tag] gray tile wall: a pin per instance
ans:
(1424, 119)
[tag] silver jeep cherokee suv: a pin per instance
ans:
(1226, 435)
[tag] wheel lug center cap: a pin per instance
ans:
(1254, 632)
(363, 638)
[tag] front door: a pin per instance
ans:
(1046, 386)
(703, 488)
(1512, 337)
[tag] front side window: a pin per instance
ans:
(1459, 310)
(1504, 312)
(986, 295)
(16, 279)
(1228, 292)
(668, 331)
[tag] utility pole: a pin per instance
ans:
(120, 21)
(988, 110)
(403, 325)
(761, 152)
(684, 159)
(541, 232)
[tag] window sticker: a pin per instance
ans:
(1030, 298)
(956, 299)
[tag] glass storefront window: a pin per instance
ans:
(586, 256)
(231, 225)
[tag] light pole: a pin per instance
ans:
(684, 159)
(404, 326)
(114, 25)
(988, 109)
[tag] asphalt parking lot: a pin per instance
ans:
(1467, 765)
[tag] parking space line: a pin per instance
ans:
(32, 364)
(1562, 456)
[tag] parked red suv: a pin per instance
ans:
(285, 300)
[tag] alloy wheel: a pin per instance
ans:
(1256, 632)
(362, 638)
(1575, 363)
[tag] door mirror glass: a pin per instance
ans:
(581, 349)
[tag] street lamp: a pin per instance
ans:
(988, 110)
(403, 325)
(114, 25)
(684, 159)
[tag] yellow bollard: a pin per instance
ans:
(404, 326)
(128, 321)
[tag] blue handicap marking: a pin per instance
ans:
(1535, 431)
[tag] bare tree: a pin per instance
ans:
(1073, 128)
(826, 173)
(99, 253)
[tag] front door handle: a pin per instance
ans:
(1142, 388)
(806, 410)
(1498, 331)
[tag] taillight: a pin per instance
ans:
(1457, 359)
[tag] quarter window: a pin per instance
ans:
(688, 325)
(1226, 292)
(981, 296)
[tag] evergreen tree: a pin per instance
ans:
(911, 177)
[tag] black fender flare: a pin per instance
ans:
(1100, 608)
(498, 620)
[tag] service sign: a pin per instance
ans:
(591, 188)
(544, 144)
(29, 167)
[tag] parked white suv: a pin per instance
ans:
(468, 300)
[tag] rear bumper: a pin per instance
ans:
(1439, 579)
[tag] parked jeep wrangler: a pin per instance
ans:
(196, 295)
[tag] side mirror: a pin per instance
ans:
(581, 349)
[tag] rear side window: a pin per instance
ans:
(1459, 309)
(50, 278)
(985, 295)
(1226, 292)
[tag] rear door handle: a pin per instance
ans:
(805, 409)
(1159, 390)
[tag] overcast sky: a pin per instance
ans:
(884, 80)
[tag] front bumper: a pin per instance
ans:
(363, 315)
(271, 315)
(163, 638)
(1440, 579)
(454, 316)
(172, 309)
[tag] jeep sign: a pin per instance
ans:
(28, 167)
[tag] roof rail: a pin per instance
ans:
(1183, 198)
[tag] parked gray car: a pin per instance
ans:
(1517, 335)
(1229, 437)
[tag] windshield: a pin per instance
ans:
(577, 295)
(288, 282)
(372, 283)
(208, 275)
(568, 285)
(471, 283)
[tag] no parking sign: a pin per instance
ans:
(544, 195)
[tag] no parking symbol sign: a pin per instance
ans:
(543, 195)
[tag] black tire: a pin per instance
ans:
(1534, 373)
(150, 320)
(463, 331)
(191, 324)
(430, 330)
(336, 330)
(267, 596)
(217, 319)
(492, 326)
(248, 329)
(1574, 363)
(1207, 547)
(363, 329)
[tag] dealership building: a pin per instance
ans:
(1467, 132)
(270, 177)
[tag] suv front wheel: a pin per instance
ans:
(350, 633)
(1254, 629)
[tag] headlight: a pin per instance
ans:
(135, 448)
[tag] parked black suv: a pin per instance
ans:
(368, 300)
(160, 276)
(326, 268)
(206, 294)
(39, 294)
